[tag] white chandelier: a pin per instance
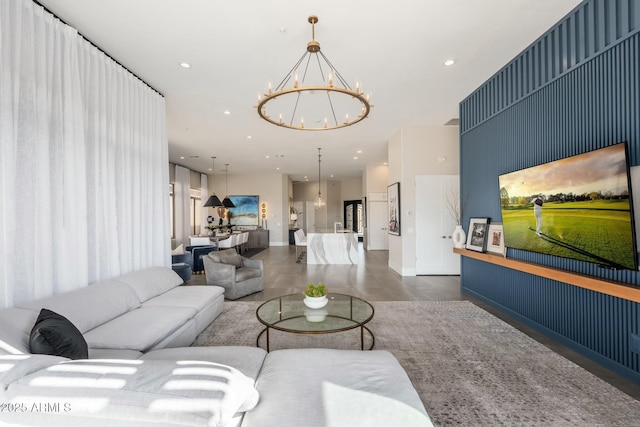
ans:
(328, 103)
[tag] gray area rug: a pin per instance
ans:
(469, 367)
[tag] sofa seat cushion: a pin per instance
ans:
(195, 297)
(16, 324)
(152, 281)
(114, 353)
(15, 366)
(134, 393)
(345, 388)
(90, 306)
(247, 360)
(246, 273)
(139, 329)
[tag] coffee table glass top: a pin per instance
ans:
(288, 313)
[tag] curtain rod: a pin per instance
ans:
(99, 48)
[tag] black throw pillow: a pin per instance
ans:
(55, 335)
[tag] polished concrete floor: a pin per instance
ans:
(373, 280)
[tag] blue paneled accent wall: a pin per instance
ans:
(575, 89)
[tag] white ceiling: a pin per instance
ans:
(396, 49)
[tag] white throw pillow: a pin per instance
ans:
(178, 251)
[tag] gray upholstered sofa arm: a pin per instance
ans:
(253, 263)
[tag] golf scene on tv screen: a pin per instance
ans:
(578, 207)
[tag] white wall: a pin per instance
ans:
(352, 189)
(417, 151)
(273, 190)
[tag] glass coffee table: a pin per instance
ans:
(289, 314)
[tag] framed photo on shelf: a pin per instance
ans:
(478, 232)
(495, 240)
(393, 202)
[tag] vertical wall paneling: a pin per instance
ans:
(575, 89)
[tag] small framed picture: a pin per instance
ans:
(393, 203)
(495, 240)
(478, 231)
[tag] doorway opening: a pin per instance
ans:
(354, 217)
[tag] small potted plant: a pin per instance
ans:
(315, 296)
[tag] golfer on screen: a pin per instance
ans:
(537, 211)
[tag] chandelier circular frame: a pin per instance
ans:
(313, 47)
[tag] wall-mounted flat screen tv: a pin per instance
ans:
(578, 207)
(246, 210)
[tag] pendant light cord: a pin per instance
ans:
(319, 193)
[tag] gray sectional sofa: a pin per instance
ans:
(140, 370)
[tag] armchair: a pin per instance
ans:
(197, 253)
(182, 264)
(239, 276)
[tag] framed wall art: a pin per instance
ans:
(478, 231)
(393, 202)
(495, 240)
(246, 210)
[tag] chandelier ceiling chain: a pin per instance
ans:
(213, 201)
(339, 95)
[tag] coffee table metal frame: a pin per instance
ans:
(291, 298)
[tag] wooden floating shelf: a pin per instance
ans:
(616, 289)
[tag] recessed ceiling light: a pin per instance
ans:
(449, 62)
(359, 151)
(227, 112)
(277, 169)
(355, 157)
(181, 157)
(305, 177)
(210, 169)
(385, 163)
(267, 156)
(185, 65)
(331, 176)
(249, 137)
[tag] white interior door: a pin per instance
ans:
(377, 226)
(434, 225)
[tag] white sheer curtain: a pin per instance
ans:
(204, 187)
(181, 202)
(83, 161)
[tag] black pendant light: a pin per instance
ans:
(213, 201)
(227, 201)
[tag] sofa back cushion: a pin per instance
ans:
(146, 392)
(15, 326)
(151, 282)
(91, 306)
